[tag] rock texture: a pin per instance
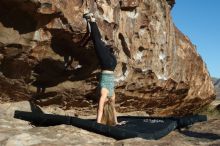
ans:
(158, 71)
(14, 132)
(171, 3)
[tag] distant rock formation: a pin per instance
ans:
(158, 71)
(216, 83)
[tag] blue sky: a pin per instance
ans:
(200, 21)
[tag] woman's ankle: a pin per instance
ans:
(89, 17)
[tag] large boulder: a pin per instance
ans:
(158, 71)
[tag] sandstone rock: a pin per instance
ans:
(158, 71)
(171, 3)
(13, 90)
(14, 132)
(129, 4)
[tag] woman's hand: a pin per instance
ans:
(121, 123)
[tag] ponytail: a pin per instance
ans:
(108, 117)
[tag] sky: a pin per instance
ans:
(200, 21)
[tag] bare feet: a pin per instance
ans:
(121, 123)
(89, 17)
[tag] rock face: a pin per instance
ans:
(14, 132)
(158, 71)
(171, 3)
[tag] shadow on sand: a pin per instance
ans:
(209, 136)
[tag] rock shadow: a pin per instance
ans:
(79, 63)
(124, 45)
(48, 73)
(78, 56)
(209, 136)
(23, 15)
(35, 108)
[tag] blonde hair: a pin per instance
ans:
(108, 117)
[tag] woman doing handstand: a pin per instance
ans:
(106, 113)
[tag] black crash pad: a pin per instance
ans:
(144, 127)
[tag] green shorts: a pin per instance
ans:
(107, 81)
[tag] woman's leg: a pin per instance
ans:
(106, 59)
(95, 33)
(101, 50)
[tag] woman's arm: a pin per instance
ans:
(115, 113)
